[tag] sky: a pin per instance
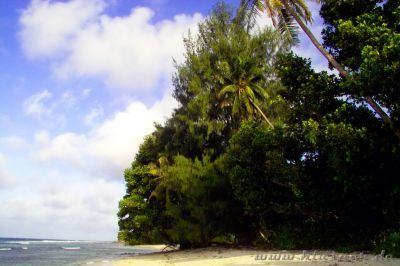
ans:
(81, 83)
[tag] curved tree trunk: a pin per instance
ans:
(374, 105)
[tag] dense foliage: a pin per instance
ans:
(262, 150)
(365, 37)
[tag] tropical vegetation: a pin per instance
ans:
(263, 150)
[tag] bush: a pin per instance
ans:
(390, 243)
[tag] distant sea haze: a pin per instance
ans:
(41, 252)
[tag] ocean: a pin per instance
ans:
(43, 252)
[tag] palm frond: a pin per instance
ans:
(250, 93)
(227, 89)
(260, 92)
(247, 13)
(254, 6)
(248, 106)
(301, 8)
(236, 106)
(288, 27)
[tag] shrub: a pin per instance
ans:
(390, 243)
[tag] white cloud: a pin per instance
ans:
(110, 146)
(5, 180)
(63, 211)
(75, 180)
(126, 52)
(81, 193)
(68, 99)
(93, 115)
(42, 106)
(35, 104)
(49, 26)
(262, 21)
(13, 142)
(42, 137)
(52, 110)
(65, 147)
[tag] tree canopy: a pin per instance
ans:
(261, 137)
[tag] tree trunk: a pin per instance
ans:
(262, 113)
(374, 105)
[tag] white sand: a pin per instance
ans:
(247, 257)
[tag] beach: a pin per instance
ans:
(245, 257)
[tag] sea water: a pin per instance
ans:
(32, 252)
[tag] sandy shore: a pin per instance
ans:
(247, 257)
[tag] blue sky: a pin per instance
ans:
(82, 82)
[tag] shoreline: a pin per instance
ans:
(217, 256)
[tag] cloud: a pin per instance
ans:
(79, 181)
(42, 137)
(49, 26)
(42, 106)
(13, 142)
(72, 180)
(262, 20)
(111, 145)
(63, 211)
(68, 99)
(80, 194)
(35, 104)
(66, 147)
(126, 52)
(52, 110)
(93, 115)
(5, 180)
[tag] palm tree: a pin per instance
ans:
(163, 183)
(243, 91)
(243, 68)
(282, 12)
